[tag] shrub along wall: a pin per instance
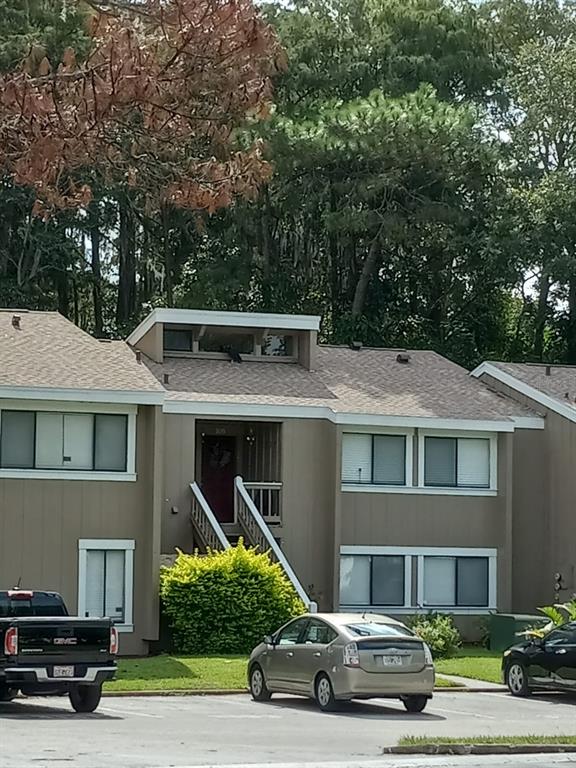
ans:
(226, 602)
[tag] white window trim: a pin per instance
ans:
(129, 475)
(408, 467)
(127, 546)
(420, 553)
(492, 490)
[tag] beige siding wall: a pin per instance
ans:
(532, 581)
(41, 522)
(179, 472)
(560, 448)
(309, 493)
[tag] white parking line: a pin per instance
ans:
(461, 712)
(129, 712)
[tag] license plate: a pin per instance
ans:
(63, 672)
(391, 661)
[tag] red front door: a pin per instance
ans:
(218, 471)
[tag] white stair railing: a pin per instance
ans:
(260, 535)
(204, 521)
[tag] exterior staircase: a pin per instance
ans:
(253, 526)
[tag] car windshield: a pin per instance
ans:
(374, 629)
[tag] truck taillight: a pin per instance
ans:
(113, 640)
(11, 642)
(351, 656)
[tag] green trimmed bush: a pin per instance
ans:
(439, 633)
(226, 602)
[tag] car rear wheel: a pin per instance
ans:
(325, 694)
(85, 698)
(517, 679)
(258, 687)
(415, 703)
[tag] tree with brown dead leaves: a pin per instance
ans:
(156, 105)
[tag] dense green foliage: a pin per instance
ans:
(423, 195)
(226, 602)
(439, 633)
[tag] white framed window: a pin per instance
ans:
(378, 579)
(376, 459)
(450, 580)
(68, 442)
(459, 463)
(463, 579)
(106, 580)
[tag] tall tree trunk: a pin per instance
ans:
(368, 268)
(168, 269)
(96, 276)
(126, 303)
(541, 314)
(63, 291)
(571, 329)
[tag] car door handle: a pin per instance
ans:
(317, 654)
(562, 650)
(289, 655)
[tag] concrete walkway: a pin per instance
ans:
(471, 684)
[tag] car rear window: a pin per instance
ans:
(374, 629)
(40, 604)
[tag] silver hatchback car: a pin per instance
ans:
(336, 657)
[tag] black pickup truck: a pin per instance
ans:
(46, 652)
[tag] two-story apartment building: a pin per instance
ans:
(379, 478)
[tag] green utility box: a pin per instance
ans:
(504, 628)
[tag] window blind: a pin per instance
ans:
(17, 439)
(95, 567)
(110, 442)
(389, 466)
(439, 581)
(356, 458)
(440, 461)
(388, 580)
(49, 440)
(114, 588)
(354, 580)
(472, 581)
(78, 441)
(474, 462)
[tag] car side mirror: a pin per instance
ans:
(269, 640)
(538, 642)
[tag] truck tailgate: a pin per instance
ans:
(69, 640)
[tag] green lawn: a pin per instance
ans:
(475, 662)
(187, 673)
(165, 673)
(418, 741)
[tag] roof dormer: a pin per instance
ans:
(237, 336)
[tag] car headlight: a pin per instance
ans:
(507, 653)
(428, 659)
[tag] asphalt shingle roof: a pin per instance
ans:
(559, 383)
(49, 351)
(345, 381)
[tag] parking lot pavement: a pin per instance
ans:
(158, 732)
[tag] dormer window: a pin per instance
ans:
(221, 342)
(278, 345)
(178, 340)
(216, 340)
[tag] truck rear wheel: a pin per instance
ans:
(7, 694)
(85, 698)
